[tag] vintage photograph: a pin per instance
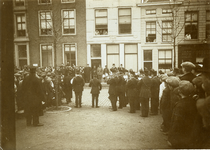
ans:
(105, 74)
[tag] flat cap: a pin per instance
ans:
(173, 81)
(186, 88)
(188, 64)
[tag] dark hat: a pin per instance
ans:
(33, 69)
(173, 81)
(197, 81)
(206, 65)
(186, 88)
(188, 64)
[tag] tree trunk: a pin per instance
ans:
(56, 75)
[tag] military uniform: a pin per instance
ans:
(95, 90)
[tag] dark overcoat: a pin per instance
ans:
(96, 86)
(112, 86)
(188, 76)
(145, 87)
(67, 86)
(78, 84)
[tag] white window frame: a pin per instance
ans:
(146, 31)
(106, 18)
(118, 17)
(147, 60)
(167, 33)
(41, 53)
(63, 50)
(164, 70)
(67, 2)
(168, 11)
(62, 23)
(150, 11)
(40, 22)
(44, 3)
(17, 54)
(15, 24)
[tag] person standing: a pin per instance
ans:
(78, 84)
(112, 92)
(106, 73)
(95, 85)
(67, 87)
(33, 97)
(145, 93)
(94, 71)
(187, 67)
(99, 73)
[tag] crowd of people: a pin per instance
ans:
(183, 99)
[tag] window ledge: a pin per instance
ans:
(21, 39)
(68, 34)
(151, 43)
(98, 36)
(166, 42)
(125, 35)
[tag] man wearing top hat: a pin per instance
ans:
(33, 97)
(78, 84)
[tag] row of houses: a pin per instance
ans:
(158, 34)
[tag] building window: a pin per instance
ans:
(191, 25)
(151, 12)
(96, 50)
(67, 1)
(44, 1)
(148, 59)
(101, 23)
(166, 31)
(124, 21)
(19, 2)
(70, 54)
(165, 60)
(208, 24)
(46, 55)
(21, 25)
(69, 22)
(166, 11)
(45, 23)
(131, 54)
(113, 55)
(22, 55)
(151, 32)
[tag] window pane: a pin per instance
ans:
(112, 59)
(147, 55)
(112, 49)
(188, 16)
(101, 21)
(194, 16)
(19, 27)
(66, 48)
(168, 54)
(148, 65)
(125, 19)
(161, 54)
(48, 16)
(18, 18)
(22, 51)
(101, 13)
(130, 48)
(72, 23)
(46, 58)
(96, 50)
(161, 61)
(131, 61)
(124, 12)
(71, 14)
(42, 14)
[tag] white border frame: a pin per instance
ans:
(17, 55)
(63, 52)
(15, 24)
(40, 22)
(40, 50)
(74, 21)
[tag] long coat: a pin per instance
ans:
(112, 86)
(78, 84)
(96, 86)
(67, 86)
(145, 87)
(33, 94)
(131, 87)
(155, 87)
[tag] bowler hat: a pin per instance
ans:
(186, 88)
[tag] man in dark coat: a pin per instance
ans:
(95, 90)
(78, 84)
(112, 92)
(33, 97)
(187, 67)
(145, 93)
(67, 87)
(94, 71)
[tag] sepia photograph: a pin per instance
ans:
(104, 74)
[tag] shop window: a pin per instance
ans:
(70, 54)
(96, 50)
(131, 54)
(165, 60)
(151, 12)
(191, 25)
(21, 25)
(166, 31)
(46, 55)
(124, 21)
(151, 31)
(45, 23)
(208, 24)
(113, 55)
(148, 59)
(69, 23)
(19, 2)
(101, 22)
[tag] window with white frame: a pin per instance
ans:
(131, 54)
(69, 22)
(166, 11)
(67, 1)
(113, 55)
(191, 25)
(165, 60)
(22, 55)
(44, 1)
(21, 25)
(167, 31)
(148, 59)
(46, 55)
(19, 2)
(45, 23)
(151, 12)
(124, 20)
(70, 54)
(208, 24)
(151, 31)
(101, 22)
